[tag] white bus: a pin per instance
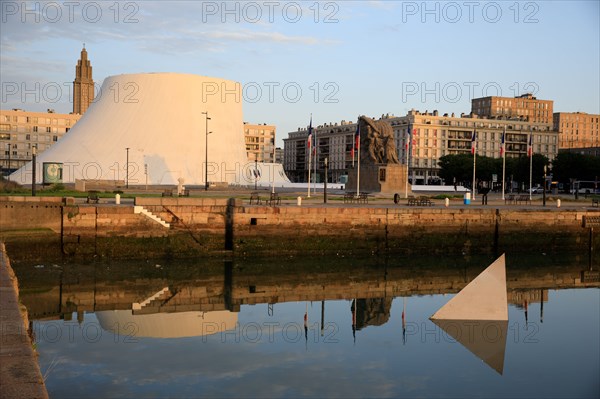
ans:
(586, 187)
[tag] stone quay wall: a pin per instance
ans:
(208, 224)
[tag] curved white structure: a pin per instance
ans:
(167, 325)
(159, 117)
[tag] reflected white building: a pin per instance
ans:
(167, 325)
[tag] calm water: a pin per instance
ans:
(310, 329)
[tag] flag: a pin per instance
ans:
(310, 134)
(357, 137)
(414, 143)
(407, 138)
(502, 143)
(474, 142)
(530, 146)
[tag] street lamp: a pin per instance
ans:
(206, 152)
(544, 188)
(34, 160)
(255, 173)
(8, 146)
(325, 186)
(127, 169)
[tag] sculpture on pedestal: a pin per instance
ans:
(377, 142)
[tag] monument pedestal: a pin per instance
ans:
(383, 178)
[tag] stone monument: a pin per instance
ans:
(380, 170)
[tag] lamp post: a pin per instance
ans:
(206, 152)
(544, 188)
(127, 168)
(34, 161)
(255, 173)
(8, 175)
(325, 186)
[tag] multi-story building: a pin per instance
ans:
(21, 130)
(526, 107)
(432, 136)
(83, 85)
(332, 141)
(260, 142)
(577, 129)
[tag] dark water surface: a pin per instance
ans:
(311, 328)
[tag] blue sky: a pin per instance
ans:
(334, 59)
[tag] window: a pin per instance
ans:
(48, 129)
(28, 137)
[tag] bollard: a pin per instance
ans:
(447, 202)
(299, 201)
(558, 203)
(467, 198)
(118, 199)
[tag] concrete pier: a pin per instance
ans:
(20, 375)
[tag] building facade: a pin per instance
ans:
(83, 85)
(260, 142)
(21, 130)
(526, 107)
(431, 137)
(577, 129)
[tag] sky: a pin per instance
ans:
(335, 60)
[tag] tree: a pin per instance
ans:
(461, 167)
(567, 166)
(457, 168)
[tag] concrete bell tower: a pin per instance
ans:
(83, 85)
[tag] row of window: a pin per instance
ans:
(37, 120)
(33, 129)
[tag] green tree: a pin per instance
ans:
(461, 167)
(568, 165)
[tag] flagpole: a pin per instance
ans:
(474, 144)
(503, 171)
(530, 153)
(503, 160)
(310, 140)
(309, 168)
(407, 146)
(358, 163)
(315, 165)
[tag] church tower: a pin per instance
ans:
(83, 86)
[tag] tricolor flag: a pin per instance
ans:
(407, 138)
(310, 135)
(502, 143)
(357, 138)
(474, 142)
(530, 145)
(414, 143)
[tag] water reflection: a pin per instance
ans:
(57, 291)
(486, 339)
(167, 325)
(318, 329)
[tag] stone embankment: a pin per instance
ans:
(20, 375)
(196, 226)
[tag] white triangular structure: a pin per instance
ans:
(484, 298)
